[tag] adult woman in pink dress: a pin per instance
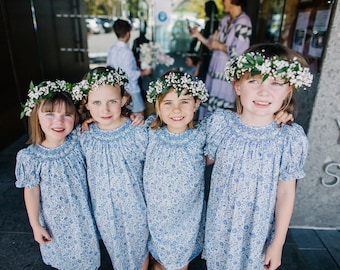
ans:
(231, 39)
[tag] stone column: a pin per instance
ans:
(318, 194)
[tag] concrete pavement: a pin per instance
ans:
(305, 248)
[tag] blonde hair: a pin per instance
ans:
(36, 134)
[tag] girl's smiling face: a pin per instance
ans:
(261, 99)
(56, 125)
(177, 111)
(105, 104)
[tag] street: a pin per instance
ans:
(100, 43)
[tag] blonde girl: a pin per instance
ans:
(52, 172)
(174, 171)
(257, 161)
(115, 154)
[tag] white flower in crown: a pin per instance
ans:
(109, 76)
(43, 91)
(179, 82)
(258, 64)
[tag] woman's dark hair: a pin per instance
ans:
(242, 3)
(210, 7)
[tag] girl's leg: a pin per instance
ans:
(146, 263)
(157, 266)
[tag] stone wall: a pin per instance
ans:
(318, 194)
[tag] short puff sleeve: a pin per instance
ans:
(294, 154)
(26, 169)
(216, 125)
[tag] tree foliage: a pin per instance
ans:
(197, 6)
(106, 7)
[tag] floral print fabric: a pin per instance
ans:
(249, 162)
(65, 206)
(174, 191)
(115, 160)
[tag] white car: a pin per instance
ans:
(94, 26)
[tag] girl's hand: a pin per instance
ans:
(41, 235)
(85, 124)
(137, 119)
(283, 117)
(272, 259)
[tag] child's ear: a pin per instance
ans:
(236, 86)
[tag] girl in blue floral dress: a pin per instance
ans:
(115, 154)
(174, 171)
(52, 172)
(257, 161)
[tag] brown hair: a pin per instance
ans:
(270, 50)
(36, 135)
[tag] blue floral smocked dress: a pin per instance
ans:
(115, 160)
(65, 205)
(174, 191)
(249, 162)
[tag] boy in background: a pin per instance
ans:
(121, 56)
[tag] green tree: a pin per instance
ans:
(197, 6)
(106, 7)
(133, 8)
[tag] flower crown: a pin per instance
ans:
(258, 64)
(179, 82)
(109, 76)
(43, 91)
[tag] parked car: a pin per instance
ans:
(107, 24)
(94, 26)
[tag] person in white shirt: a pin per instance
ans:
(121, 56)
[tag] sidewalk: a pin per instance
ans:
(305, 249)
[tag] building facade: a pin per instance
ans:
(45, 39)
